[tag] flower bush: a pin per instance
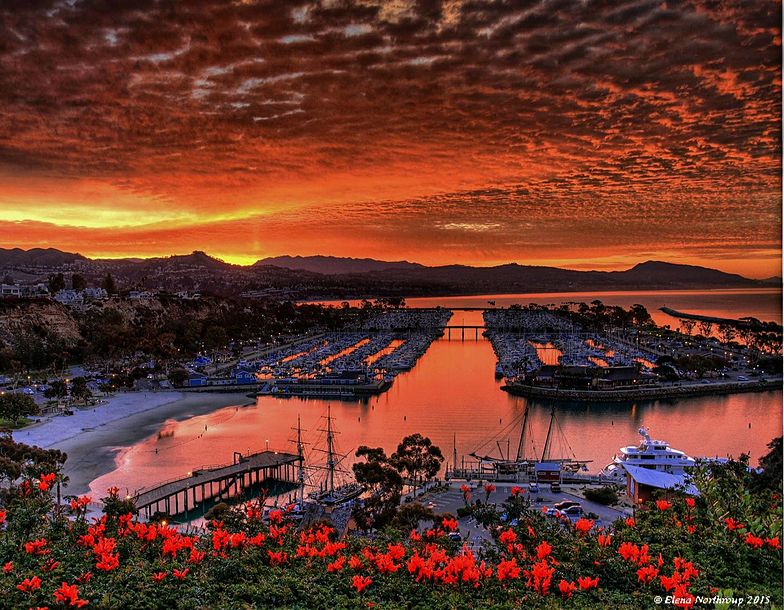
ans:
(62, 559)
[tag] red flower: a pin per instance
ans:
(113, 491)
(691, 528)
(180, 574)
(276, 516)
(682, 598)
(158, 576)
(583, 526)
(508, 537)
(647, 574)
(415, 536)
(753, 541)
(517, 490)
(566, 588)
(733, 525)
(690, 502)
(604, 540)
(489, 488)
(773, 542)
(36, 547)
(449, 524)
(8, 567)
(3, 515)
(277, 557)
(540, 577)
(70, 594)
(663, 504)
(108, 562)
(508, 570)
(29, 584)
(80, 503)
(355, 563)
(543, 550)
(630, 522)
(587, 583)
(361, 583)
(337, 565)
(196, 556)
(45, 482)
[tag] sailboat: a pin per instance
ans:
(329, 493)
(506, 467)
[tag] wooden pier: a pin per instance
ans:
(218, 483)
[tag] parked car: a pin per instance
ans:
(565, 504)
(555, 487)
(455, 536)
(742, 378)
(533, 488)
(573, 510)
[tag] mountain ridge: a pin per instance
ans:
(306, 277)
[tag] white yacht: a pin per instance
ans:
(650, 454)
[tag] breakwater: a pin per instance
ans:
(646, 393)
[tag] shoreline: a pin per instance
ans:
(661, 393)
(91, 450)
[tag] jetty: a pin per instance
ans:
(216, 483)
(742, 323)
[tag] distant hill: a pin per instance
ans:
(328, 277)
(37, 257)
(333, 265)
(658, 271)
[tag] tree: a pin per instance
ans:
(417, 457)
(56, 283)
(16, 406)
(383, 482)
(108, 284)
(78, 282)
(56, 389)
(409, 515)
(726, 332)
(771, 475)
(639, 315)
(79, 389)
(177, 377)
(706, 327)
(687, 326)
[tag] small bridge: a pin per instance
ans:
(218, 483)
(462, 328)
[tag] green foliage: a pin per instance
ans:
(607, 495)
(417, 457)
(14, 406)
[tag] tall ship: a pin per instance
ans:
(335, 485)
(527, 464)
(650, 454)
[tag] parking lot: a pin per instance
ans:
(452, 499)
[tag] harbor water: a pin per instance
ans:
(452, 396)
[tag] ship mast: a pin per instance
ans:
(546, 450)
(330, 451)
(301, 454)
(522, 435)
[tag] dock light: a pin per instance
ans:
(164, 523)
(190, 474)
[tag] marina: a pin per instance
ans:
(452, 396)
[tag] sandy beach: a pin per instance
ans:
(92, 437)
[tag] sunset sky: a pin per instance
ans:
(584, 134)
